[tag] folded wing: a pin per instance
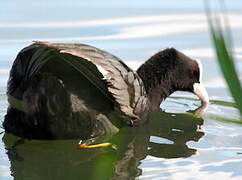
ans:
(123, 83)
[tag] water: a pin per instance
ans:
(175, 144)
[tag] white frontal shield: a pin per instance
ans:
(198, 88)
(201, 92)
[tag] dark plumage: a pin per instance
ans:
(78, 91)
(166, 72)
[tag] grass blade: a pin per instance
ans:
(225, 58)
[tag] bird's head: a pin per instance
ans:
(170, 70)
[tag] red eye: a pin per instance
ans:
(195, 72)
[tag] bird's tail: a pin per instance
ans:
(44, 97)
(46, 94)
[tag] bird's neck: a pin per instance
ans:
(157, 82)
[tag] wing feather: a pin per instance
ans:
(124, 84)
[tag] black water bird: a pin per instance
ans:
(61, 91)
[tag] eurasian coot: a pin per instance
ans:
(60, 91)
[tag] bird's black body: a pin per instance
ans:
(59, 91)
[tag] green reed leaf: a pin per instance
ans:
(221, 42)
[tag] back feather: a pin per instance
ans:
(124, 84)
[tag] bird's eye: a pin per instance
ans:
(194, 73)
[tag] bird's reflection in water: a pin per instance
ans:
(62, 159)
